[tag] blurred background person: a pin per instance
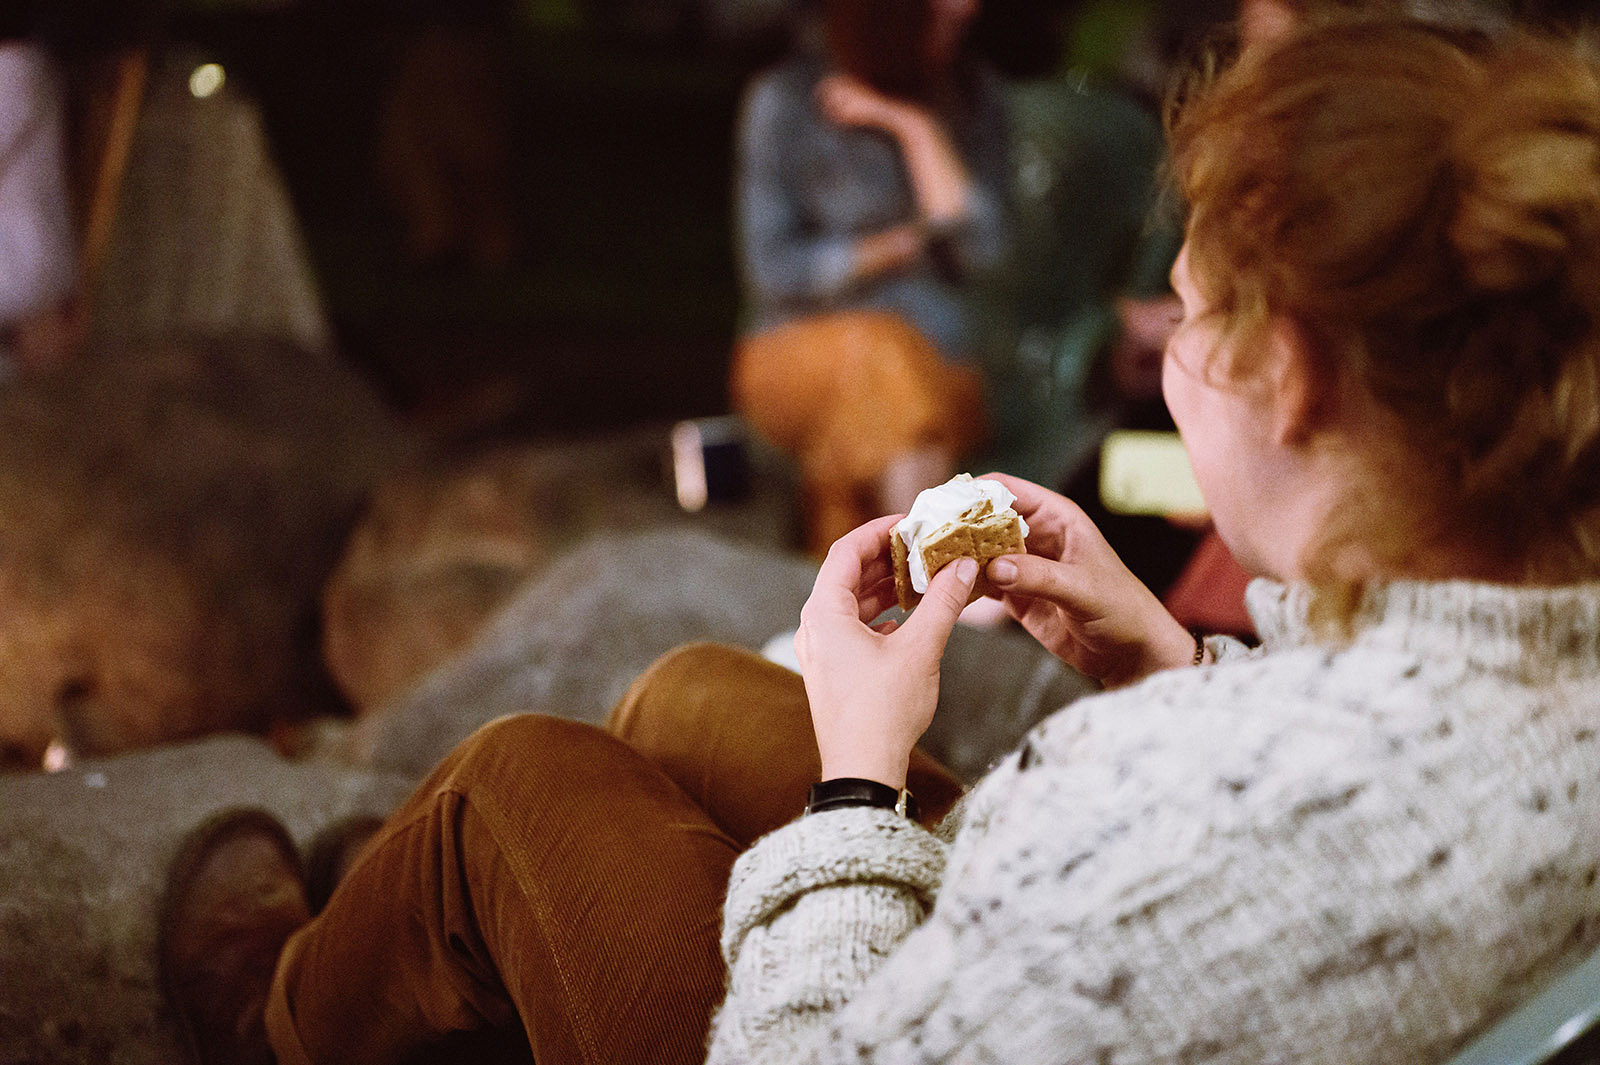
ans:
(38, 255)
(870, 193)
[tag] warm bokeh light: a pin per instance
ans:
(207, 80)
(56, 757)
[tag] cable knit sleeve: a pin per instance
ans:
(813, 911)
(1229, 649)
(834, 955)
(1308, 856)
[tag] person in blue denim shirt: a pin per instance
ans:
(38, 251)
(871, 192)
(833, 212)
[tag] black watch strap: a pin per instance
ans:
(842, 792)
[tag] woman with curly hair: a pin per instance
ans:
(1363, 841)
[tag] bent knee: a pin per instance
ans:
(706, 693)
(691, 662)
(528, 742)
(694, 680)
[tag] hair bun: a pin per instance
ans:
(1527, 163)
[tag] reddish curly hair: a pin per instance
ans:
(1425, 204)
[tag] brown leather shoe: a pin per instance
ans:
(235, 893)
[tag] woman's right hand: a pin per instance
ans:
(1075, 596)
(849, 101)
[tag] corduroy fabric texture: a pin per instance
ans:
(561, 881)
(545, 873)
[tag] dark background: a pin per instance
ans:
(622, 304)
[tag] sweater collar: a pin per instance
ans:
(1488, 626)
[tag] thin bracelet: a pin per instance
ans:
(1199, 646)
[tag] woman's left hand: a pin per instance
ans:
(873, 690)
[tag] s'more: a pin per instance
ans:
(962, 518)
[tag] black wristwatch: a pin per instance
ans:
(842, 792)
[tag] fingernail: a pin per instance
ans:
(967, 570)
(1002, 571)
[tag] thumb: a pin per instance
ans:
(1034, 577)
(946, 597)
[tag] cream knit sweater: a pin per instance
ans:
(1300, 854)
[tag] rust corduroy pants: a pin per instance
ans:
(557, 887)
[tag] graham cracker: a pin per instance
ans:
(979, 534)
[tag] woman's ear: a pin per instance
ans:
(1301, 387)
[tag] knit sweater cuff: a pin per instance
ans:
(852, 845)
(1227, 649)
